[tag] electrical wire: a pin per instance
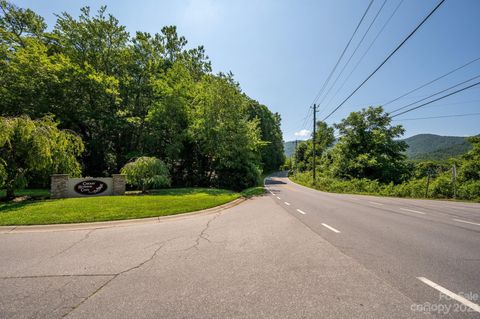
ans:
(366, 51)
(432, 95)
(341, 55)
(438, 117)
(432, 81)
(437, 99)
(353, 53)
(386, 59)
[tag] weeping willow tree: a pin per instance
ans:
(38, 146)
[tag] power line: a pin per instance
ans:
(366, 51)
(438, 117)
(432, 81)
(353, 53)
(343, 53)
(437, 99)
(385, 61)
(432, 95)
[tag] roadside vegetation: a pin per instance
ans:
(86, 98)
(104, 208)
(369, 158)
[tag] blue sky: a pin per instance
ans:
(282, 51)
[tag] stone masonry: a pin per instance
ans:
(59, 186)
(119, 184)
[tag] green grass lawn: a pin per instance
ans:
(103, 208)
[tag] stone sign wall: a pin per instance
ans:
(63, 186)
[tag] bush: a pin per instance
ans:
(146, 173)
(442, 187)
(469, 190)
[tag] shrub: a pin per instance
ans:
(469, 190)
(147, 172)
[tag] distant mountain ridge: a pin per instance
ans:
(436, 147)
(422, 147)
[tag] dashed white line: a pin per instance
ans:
(278, 197)
(286, 203)
(466, 222)
(452, 295)
(301, 212)
(412, 211)
(331, 228)
(375, 203)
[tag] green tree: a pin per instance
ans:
(369, 147)
(271, 152)
(35, 146)
(470, 167)
(147, 172)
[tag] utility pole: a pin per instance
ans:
(295, 157)
(313, 141)
(454, 179)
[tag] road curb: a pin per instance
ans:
(116, 223)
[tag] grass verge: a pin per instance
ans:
(104, 208)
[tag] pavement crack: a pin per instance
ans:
(85, 237)
(203, 234)
(114, 276)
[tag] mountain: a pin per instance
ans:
(289, 148)
(436, 147)
(422, 147)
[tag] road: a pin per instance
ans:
(296, 253)
(411, 244)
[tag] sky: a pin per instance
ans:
(282, 51)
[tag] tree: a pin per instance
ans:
(147, 172)
(225, 140)
(470, 169)
(368, 147)
(271, 152)
(35, 146)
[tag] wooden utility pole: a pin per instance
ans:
(313, 142)
(295, 156)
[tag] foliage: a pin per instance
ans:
(102, 208)
(147, 172)
(368, 148)
(36, 146)
(130, 96)
(271, 152)
(471, 161)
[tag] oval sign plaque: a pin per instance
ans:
(90, 187)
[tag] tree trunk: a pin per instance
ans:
(10, 193)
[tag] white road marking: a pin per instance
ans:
(412, 211)
(464, 221)
(278, 197)
(331, 228)
(301, 212)
(288, 204)
(452, 295)
(375, 203)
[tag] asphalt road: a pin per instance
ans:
(260, 259)
(413, 245)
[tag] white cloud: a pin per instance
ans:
(302, 133)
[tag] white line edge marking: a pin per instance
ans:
(412, 211)
(301, 211)
(278, 197)
(331, 228)
(467, 222)
(286, 203)
(452, 295)
(375, 203)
